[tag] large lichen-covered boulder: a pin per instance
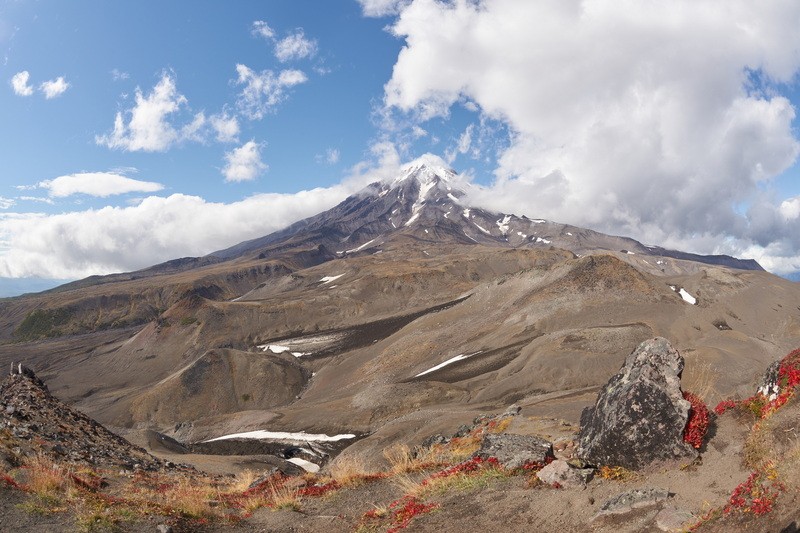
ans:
(640, 415)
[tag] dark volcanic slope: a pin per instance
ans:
(33, 422)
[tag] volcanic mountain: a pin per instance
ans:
(402, 312)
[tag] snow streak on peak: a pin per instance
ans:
(425, 173)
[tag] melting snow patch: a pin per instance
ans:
(687, 297)
(570, 234)
(445, 215)
(659, 262)
(426, 231)
(522, 234)
(545, 241)
(284, 436)
(630, 253)
(308, 466)
(275, 348)
(450, 361)
(360, 248)
(503, 224)
(299, 354)
(449, 195)
(486, 231)
(466, 213)
(411, 220)
(328, 279)
(538, 221)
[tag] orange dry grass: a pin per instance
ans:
(348, 471)
(282, 497)
(45, 478)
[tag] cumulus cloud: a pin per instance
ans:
(148, 127)
(330, 157)
(382, 8)
(99, 184)
(261, 29)
(156, 229)
(244, 163)
(119, 75)
(19, 82)
(226, 127)
(54, 88)
(115, 239)
(264, 90)
(5, 203)
(654, 120)
(295, 46)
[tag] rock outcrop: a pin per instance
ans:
(640, 414)
(33, 422)
(515, 451)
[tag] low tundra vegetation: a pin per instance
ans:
(773, 459)
(101, 500)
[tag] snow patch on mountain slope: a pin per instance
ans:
(450, 361)
(300, 436)
(503, 224)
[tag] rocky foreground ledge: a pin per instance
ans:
(35, 423)
(505, 471)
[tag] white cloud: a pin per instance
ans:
(262, 29)
(100, 184)
(295, 46)
(54, 88)
(114, 239)
(382, 8)
(195, 130)
(5, 203)
(19, 82)
(632, 118)
(226, 127)
(41, 199)
(118, 75)
(462, 146)
(148, 128)
(244, 163)
(330, 157)
(265, 90)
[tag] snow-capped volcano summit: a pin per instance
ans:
(425, 172)
(425, 202)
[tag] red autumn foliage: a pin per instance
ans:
(471, 465)
(755, 495)
(319, 490)
(723, 406)
(10, 481)
(697, 426)
(405, 509)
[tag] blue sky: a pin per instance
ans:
(260, 113)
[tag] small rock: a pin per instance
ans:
(512, 410)
(514, 451)
(164, 528)
(463, 431)
(672, 519)
(561, 473)
(10, 409)
(633, 499)
(434, 440)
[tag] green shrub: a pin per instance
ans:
(41, 323)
